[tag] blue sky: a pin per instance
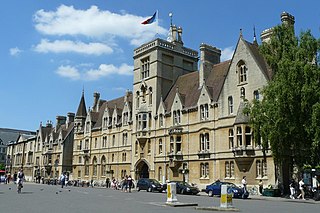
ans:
(51, 50)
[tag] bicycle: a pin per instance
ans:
(19, 186)
(253, 190)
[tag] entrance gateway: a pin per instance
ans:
(142, 170)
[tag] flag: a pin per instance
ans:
(150, 20)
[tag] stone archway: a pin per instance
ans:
(142, 170)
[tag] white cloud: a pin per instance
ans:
(227, 53)
(60, 46)
(95, 23)
(69, 72)
(103, 70)
(15, 51)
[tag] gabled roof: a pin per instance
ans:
(216, 79)
(188, 88)
(115, 104)
(259, 59)
(82, 110)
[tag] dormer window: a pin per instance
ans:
(125, 118)
(242, 72)
(176, 117)
(161, 120)
(204, 112)
(105, 122)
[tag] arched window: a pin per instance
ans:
(160, 146)
(230, 105)
(103, 166)
(242, 72)
(86, 167)
(95, 166)
(160, 173)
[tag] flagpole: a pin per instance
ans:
(157, 23)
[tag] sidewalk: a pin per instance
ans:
(279, 199)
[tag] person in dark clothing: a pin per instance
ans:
(15, 175)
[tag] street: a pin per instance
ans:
(39, 198)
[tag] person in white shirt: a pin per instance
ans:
(301, 185)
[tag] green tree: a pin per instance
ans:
(2, 167)
(288, 117)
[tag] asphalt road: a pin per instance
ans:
(46, 199)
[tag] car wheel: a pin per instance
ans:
(138, 189)
(149, 189)
(210, 193)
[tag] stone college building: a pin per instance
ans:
(177, 123)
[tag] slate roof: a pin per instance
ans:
(7, 135)
(115, 104)
(188, 85)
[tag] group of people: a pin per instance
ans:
(125, 185)
(300, 187)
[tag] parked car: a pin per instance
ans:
(150, 185)
(215, 189)
(183, 188)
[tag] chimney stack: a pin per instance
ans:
(60, 120)
(70, 118)
(209, 56)
(96, 97)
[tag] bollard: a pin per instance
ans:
(226, 197)
(171, 193)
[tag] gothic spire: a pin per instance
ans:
(82, 112)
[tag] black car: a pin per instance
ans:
(184, 188)
(150, 185)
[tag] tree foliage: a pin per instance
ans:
(288, 117)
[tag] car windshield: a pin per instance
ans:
(231, 185)
(184, 184)
(154, 181)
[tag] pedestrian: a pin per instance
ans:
(15, 177)
(260, 187)
(315, 183)
(244, 187)
(66, 181)
(292, 189)
(62, 179)
(301, 187)
(130, 183)
(20, 178)
(108, 182)
(91, 182)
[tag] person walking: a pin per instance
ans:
(130, 183)
(301, 187)
(260, 187)
(62, 179)
(244, 186)
(15, 177)
(292, 189)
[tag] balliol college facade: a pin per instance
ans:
(178, 122)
